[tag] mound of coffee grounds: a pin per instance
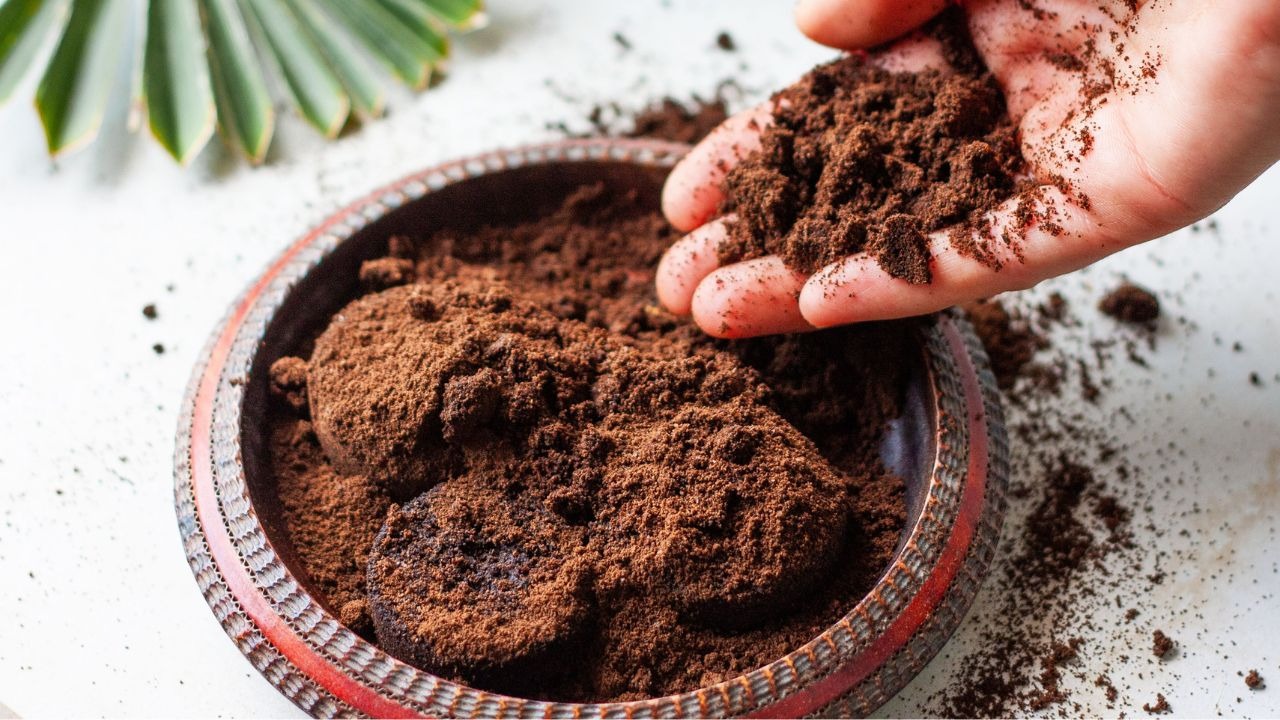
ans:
(561, 491)
(1131, 304)
(1161, 644)
(1254, 680)
(861, 159)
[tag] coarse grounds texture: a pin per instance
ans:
(1254, 681)
(1131, 304)
(1161, 644)
(515, 470)
(1160, 706)
(858, 159)
(1068, 544)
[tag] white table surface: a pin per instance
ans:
(99, 614)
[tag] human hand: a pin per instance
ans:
(1162, 155)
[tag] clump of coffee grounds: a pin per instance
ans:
(1254, 681)
(514, 469)
(862, 159)
(1161, 705)
(1131, 304)
(1161, 644)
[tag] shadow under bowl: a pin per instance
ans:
(949, 446)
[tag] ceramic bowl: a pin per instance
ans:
(949, 446)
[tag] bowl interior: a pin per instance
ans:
(510, 195)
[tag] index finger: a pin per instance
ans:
(692, 193)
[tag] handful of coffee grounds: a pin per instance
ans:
(507, 465)
(863, 159)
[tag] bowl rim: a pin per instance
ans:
(851, 667)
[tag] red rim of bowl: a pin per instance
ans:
(850, 669)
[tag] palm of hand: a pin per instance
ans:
(1137, 124)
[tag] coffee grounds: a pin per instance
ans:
(331, 518)
(528, 367)
(1068, 544)
(725, 42)
(1131, 304)
(1254, 681)
(1010, 340)
(149, 311)
(1161, 705)
(862, 159)
(671, 120)
(1161, 644)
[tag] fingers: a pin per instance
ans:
(755, 297)
(686, 263)
(692, 193)
(858, 290)
(858, 24)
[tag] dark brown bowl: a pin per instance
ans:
(950, 446)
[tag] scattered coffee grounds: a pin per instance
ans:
(1254, 680)
(1161, 705)
(1068, 549)
(1131, 304)
(1011, 342)
(862, 159)
(671, 120)
(622, 41)
(158, 348)
(149, 311)
(725, 42)
(1161, 644)
(513, 468)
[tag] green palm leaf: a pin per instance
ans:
(245, 115)
(461, 14)
(368, 97)
(415, 15)
(408, 55)
(24, 27)
(200, 67)
(175, 79)
(73, 94)
(317, 93)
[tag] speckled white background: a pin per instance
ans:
(99, 614)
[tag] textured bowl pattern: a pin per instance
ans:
(327, 670)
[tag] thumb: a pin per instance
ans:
(860, 24)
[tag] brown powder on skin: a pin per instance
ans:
(861, 159)
(720, 503)
(1161, 644)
